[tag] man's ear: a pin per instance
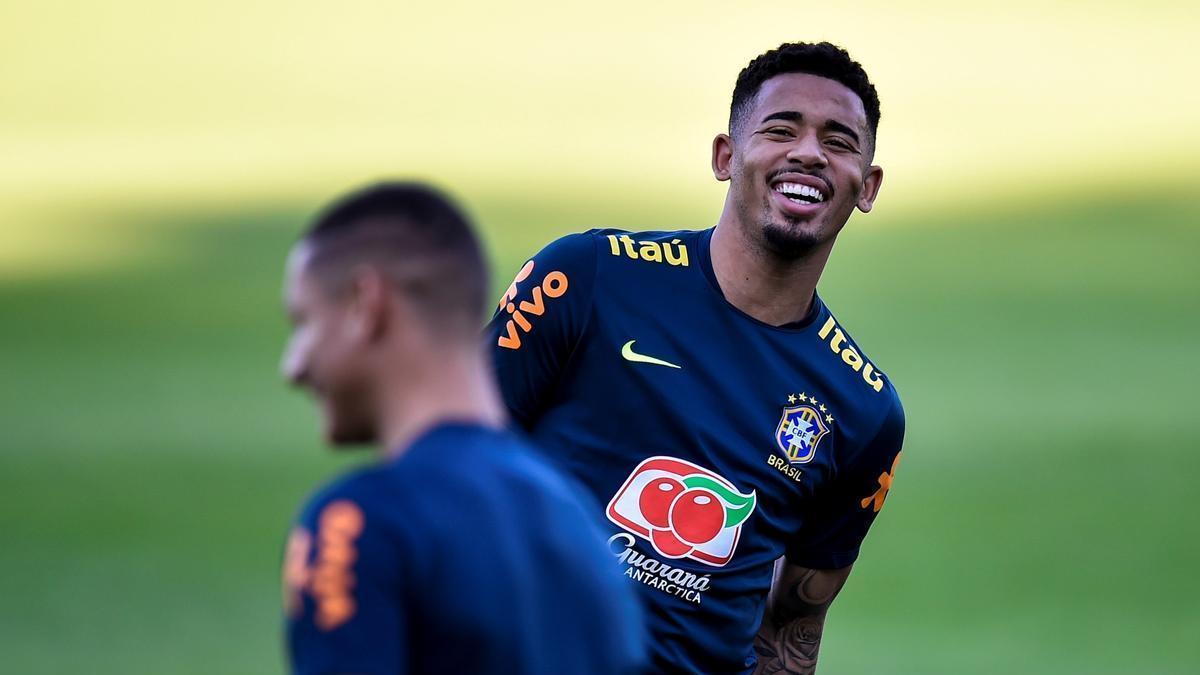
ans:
(369, 307)
(871, 182)
(722, 157)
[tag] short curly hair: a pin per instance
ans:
(822, 58)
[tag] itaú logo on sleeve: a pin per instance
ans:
(850, 356)
(683, 510)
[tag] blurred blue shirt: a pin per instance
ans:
(464, 554)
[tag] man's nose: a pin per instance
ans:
(291, 366)
(808, 152)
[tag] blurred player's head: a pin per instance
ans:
(387, 286)
(801, 141)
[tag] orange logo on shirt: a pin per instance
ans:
(553, 285)
(885, 484)
(330, 579)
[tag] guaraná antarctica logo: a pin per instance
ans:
(683, 510)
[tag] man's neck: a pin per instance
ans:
(774, 290)
(454, 387)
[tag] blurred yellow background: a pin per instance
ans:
(219, 101)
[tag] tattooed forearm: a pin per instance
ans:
(790, 635)
(792, 648)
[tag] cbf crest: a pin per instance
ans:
(801, 428)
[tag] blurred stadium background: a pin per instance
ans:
(1028, 278)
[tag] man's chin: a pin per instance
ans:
(348, 437)
(793, 239)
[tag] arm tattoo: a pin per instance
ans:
(791, 630)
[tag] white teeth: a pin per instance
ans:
(794, 190)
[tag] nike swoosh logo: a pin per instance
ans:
(629, 355)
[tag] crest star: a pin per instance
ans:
(802, 397)
(823, 408)
(829, 419)
(791, 398)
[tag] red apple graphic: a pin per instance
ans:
(655, 500)
(697, 516)
(668, 544)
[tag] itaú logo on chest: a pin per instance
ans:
(683, 510)
(650, 251)
(836, 339)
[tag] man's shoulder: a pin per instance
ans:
(572, 249)
(490, 482)
(351, 494)
(668, 248)
(474, 465)
(454, 472)
(674, 247)
(864, 377)
(500, 462)
(560, 283)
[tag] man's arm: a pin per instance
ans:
(790, 635)
(819, 557)
(538, 324)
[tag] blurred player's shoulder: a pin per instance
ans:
(452, 466)
(479, 467)
(358, 485)
(489, 525)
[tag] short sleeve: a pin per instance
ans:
(839, 520)
(342, 597)
(539, 321)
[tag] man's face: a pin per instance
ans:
(324, 354)
(799, 163)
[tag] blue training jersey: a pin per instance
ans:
(715, 443)
(465, 554)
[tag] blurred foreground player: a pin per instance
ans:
(458, 551)
(701, 389)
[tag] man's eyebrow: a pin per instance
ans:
(785, 115)
(795, 116)
(842, 128)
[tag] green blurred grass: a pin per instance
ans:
(1042, 521)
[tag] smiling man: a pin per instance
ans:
(741, 441)
(458, 550)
